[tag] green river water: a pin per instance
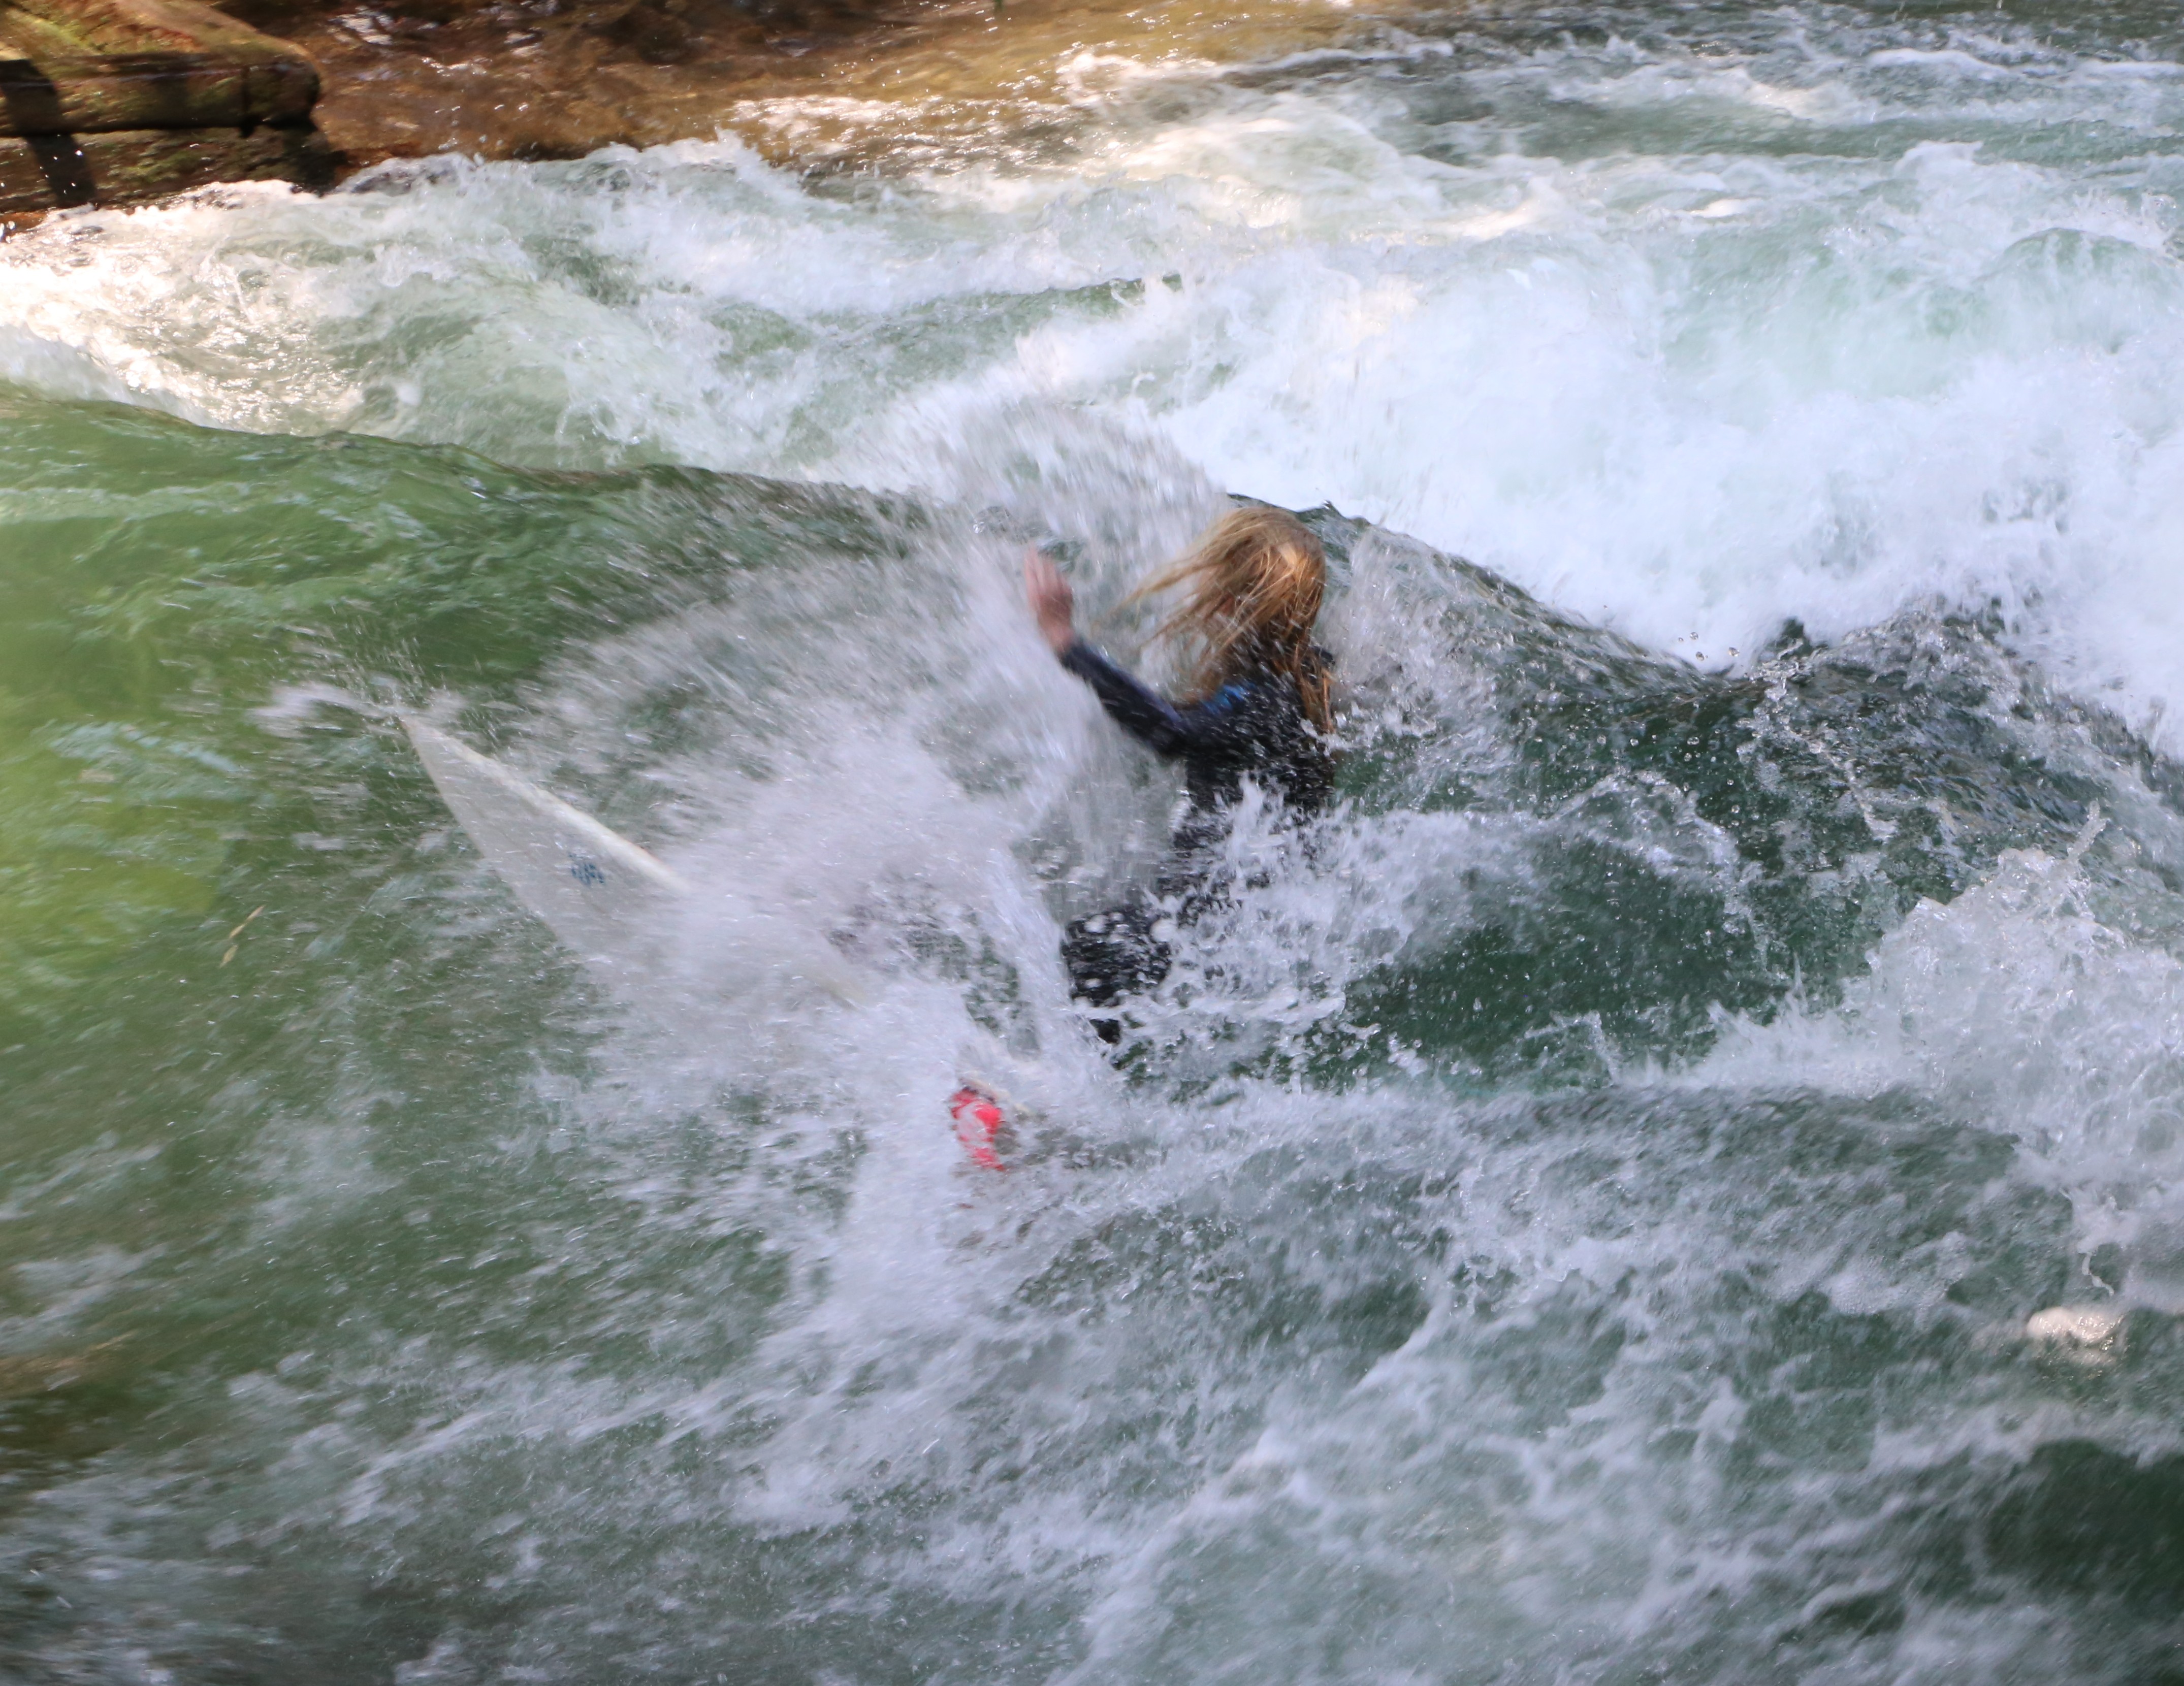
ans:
(1572, 1218)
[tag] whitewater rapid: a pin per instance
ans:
(1573, 1217)
(1686, 336)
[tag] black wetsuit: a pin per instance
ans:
(1253, 728)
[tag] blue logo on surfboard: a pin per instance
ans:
(586, 872)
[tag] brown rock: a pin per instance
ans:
(133, 167)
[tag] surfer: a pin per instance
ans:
(1257, 708)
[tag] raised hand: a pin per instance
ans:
(1053, 604)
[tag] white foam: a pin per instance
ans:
(1688, 395)
(1680, 387)
(2016, 1007)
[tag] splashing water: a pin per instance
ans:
(1572, 1211)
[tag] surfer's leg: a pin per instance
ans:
(1111, 956)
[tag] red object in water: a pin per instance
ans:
(979, 1122)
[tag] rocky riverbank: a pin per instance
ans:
(810, 79)
(819, 83)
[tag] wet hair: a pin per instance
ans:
(1253, 583)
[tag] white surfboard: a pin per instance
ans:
(595, 889)
(589, 884)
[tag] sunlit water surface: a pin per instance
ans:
(1571, 1217)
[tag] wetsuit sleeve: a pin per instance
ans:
(1135, 706)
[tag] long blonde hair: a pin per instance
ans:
(1255, 580)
